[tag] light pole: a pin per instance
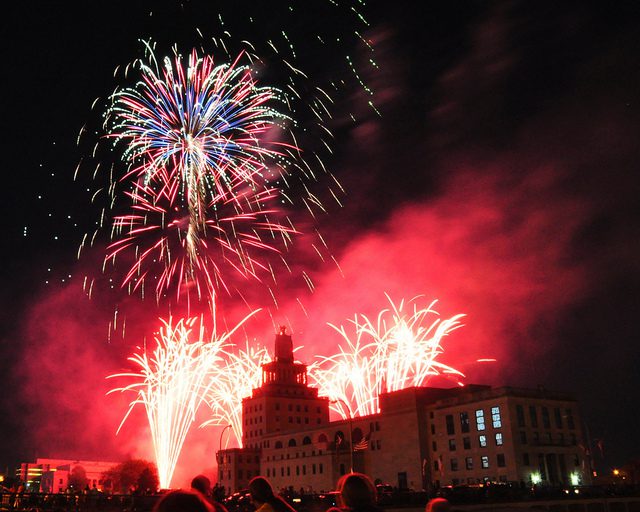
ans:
(220, 443)
(350, 431)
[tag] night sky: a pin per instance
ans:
(500, 177)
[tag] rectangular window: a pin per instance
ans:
(450, 426)
(495, 417)
(288, 471)
(282, 471)
(433, 429)
(501, 461)
(520, 415)
(558, 417)
(320, 467)
(313, 468)
(546, 422)
(434, 446)
(452, 445)
(523, 437)
(464, 422)
(436, 466)
(468, 462)
(498, 438)
(485, 461)
(480, 419)
(536, 437)
(570, 422)
(277, 406)
(297, 470)
(525, 459)
(482, 440)
(454, 464)
(466, 442)
(533, 415)
(573, 439)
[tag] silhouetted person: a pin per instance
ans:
(183, 501)
(202, 485)
(357, 494)
(264, 499)
(438, 505)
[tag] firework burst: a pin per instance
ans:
(241, 373)
(199, 142)
(397, 350)
(172, 383)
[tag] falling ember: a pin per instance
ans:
(172, 383)
(398, 350)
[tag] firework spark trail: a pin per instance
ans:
(172, 384)
(240, 374)
(397, 351)
(167, 247)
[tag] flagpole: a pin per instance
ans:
(350, 432)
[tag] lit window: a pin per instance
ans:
(498, 438)
(482, 440)
(485, 461)
(495, 417)
(480, 419)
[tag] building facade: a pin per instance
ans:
(52, 475)
(422, 438)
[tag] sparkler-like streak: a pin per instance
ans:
(172, 384)
(240, 374)
(397, 350)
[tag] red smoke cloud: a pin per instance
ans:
(494, 246)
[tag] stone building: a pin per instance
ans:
(422, 437)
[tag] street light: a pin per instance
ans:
(350, 431)
(221, 435)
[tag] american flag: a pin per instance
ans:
(363, 444)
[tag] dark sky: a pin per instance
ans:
(500, 177)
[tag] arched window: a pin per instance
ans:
(278, 444)
(306, 440)
(322, 438)
(292, 442)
